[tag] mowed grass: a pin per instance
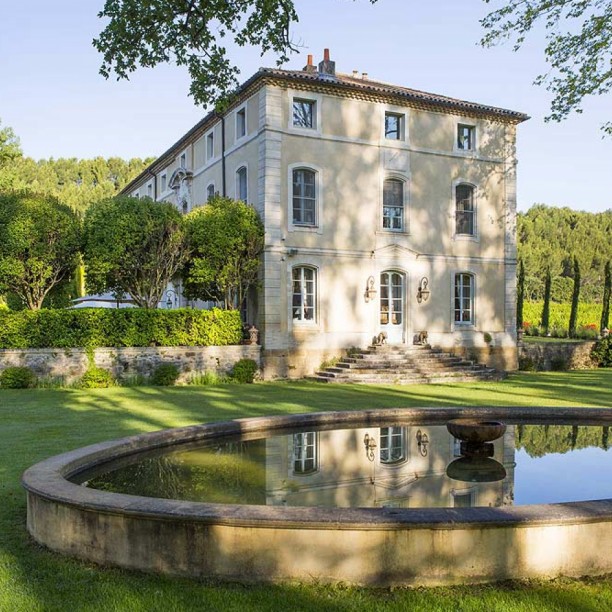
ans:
(36, 424)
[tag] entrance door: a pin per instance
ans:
(392, 306)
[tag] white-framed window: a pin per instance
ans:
(394, 126)
(305, 452)
(241, 123)
(210, 145)
(392, 444)
(163, 182)
(242, 184)
(393, 204)
(150, 190)
(304, 113)
(465, 210)
(183, 160)
(463, 299)
(466, 137)
(304, 294)
(304, 196)
(210, 191)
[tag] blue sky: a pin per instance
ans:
(53, 97)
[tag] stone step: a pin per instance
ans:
(408, 380)
(339, 373)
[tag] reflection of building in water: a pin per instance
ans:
(403, 467)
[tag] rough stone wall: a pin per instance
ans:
(557, 355)
(68, 365)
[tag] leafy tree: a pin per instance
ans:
(192, 34)
(134, 246)
(520, 291)
(226, 237)
(40, 240)
(605, 307)
(9, 146)
(575, 300)
(546, 307)
(578, 49)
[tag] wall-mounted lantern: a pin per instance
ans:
(423, 291)
(370, 446)
(171, 298)
(370, 292)
(422, 442)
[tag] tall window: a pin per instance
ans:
(210, 145)
(304, 294)
(305, 452)
(149, 190)
(464, 210)
(392, 444)
(393, 204)
(393, 126)
(240, 123)
(304, 113)
(210, 191)
(241, 184)
(464, 298)
(164, 183)
(184, 160)
(304, 197)
(466, 137)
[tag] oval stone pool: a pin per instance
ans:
(373, 497)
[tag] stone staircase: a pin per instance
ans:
(404, 365)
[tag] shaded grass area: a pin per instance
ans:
(38, 423)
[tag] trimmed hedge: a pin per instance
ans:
(98, 327)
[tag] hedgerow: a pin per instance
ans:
(98, 327)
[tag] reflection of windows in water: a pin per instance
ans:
(463, 499)
(395, 503)
(456, 447)
(392, 444)
(304, 452)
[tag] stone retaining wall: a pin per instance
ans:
(556, 355)
(68, 365)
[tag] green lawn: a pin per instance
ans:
(36, 424)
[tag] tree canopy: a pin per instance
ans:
(40, 239)
(193, 34)
(226, 237)
(10, 148)
(133, 246)
(578, 49)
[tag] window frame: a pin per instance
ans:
(473, 138)
(163, 182)
(301, 321)
(303, 198)
(237, 182)
(208, 194)
(316, 100)
(209, 141)
(389, 446)
(240, 111)
(461, 324)
(401, 128)
(318, 215)
(183, 160)
(314, 460)
(456, 186)
(404, 229)
(150, 190)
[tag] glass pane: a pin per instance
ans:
(392, 126)
(303, 113)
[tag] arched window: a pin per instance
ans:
(464, 210)
(393, 204)
(464, 299)
(241, 184)
(304, 294)
(304, 197)
(392, 444)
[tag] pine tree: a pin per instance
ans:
(605, 306)
(575, 298)
(546, 307)
(520, 295)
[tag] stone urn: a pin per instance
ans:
(476, 431)
(476, 469)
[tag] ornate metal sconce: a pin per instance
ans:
(423, 292)
(171, 298)
(370, 446)
(370, 292)
(422, 442)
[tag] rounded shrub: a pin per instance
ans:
(165, 375)
(244, 371)
(602, 352)
(17, 378)
(96, 378)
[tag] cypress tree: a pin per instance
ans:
(605, 306)
(575, 298)
(546, 307)
(520, 295)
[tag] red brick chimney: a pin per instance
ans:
(310, 67)
(327, 68)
